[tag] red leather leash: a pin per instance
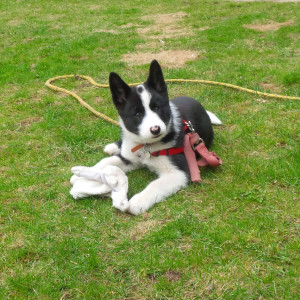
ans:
(192, 144)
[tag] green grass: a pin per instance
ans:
(235, 236)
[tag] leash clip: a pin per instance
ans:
(194, 134)
(200, 140)
(190, 126)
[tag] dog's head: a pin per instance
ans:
(144, 110)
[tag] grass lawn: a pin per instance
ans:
(234, 236)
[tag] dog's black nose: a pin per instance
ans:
(155, 130)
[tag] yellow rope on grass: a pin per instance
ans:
(108, 119)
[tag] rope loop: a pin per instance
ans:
(112, 121)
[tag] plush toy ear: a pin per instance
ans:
(156, 78)
(119, 89)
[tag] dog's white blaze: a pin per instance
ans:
(151, 118)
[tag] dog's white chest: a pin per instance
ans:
(141, 156)
(157, 164)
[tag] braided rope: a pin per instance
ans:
(112, 121)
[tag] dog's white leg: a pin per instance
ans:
(159, 189)
(112, 149)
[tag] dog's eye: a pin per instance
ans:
(138, 114)
(156, 108)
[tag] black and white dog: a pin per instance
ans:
(150, 124)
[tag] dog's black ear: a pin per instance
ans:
(119, 89)
(156, 78)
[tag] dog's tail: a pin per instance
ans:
(213, 118)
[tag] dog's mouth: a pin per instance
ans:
(157, 136)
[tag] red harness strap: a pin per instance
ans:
(169, 151)
(193, 143)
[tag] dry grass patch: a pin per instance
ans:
(27, 122)
(173, 275)
(95, 7)
(112, 31)
(297, 52)
(267, 86)
(271, 26)
(143, 228)
(167, 58)
(128, 25)
(15, 22)
(155, 44)
(165, 26)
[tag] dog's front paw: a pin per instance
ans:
(139, 203)
(112, 149)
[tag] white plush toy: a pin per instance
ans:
(108, 181)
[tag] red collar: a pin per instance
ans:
(168, 151)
